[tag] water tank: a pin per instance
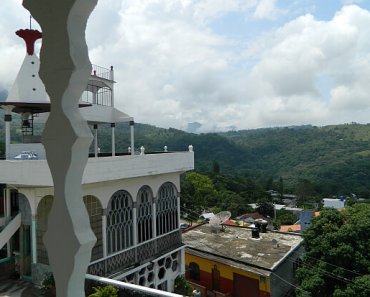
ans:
(255, 233)
(264, 224)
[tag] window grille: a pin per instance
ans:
(167, 213)
(94, 210)
(144, 214)
(119, 222)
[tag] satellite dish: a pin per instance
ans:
(220, 218)
(275, 243)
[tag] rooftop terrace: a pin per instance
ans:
(236, 246)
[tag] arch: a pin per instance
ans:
(194, 271)
(144, 214)
(95, 211)
(167, 211)
(43, 210)
(119, 222)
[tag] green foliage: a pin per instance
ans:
(182, 287)
(107, 291)
(265, 209)
(285, 217)
(337, 259)
(48, 285)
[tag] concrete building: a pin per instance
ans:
(133, 199)
(240, 262)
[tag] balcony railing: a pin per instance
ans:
(101, 72)
(141, 253)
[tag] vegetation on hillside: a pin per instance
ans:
(337, 260)
(308, 161)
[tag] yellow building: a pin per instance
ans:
(228, 261)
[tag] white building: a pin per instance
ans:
(333, 203)
(133, 200)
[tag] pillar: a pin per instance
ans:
(104, 232)
(178, 210)
(113, 125)
(33, 240)
(7, 119)
(96, 140)
(111, 77)
(67, 138)
(8, 216)
(134, 219)
(132, 124)
(154, 222)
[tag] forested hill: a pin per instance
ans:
(330, 159)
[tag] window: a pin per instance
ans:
(194, 272)
(119, 222)
(144, 214)
(167, 214)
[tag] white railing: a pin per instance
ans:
(141, 289)
(116, 262)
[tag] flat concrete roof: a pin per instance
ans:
(236, 246)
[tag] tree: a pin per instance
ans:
(197, 189)
(265, 209)
(337, 259)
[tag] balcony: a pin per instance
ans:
(139, 254)
(37, 173)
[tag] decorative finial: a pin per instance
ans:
(29, 36)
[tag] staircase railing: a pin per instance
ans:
(9, 229)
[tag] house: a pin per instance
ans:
(132, 199)
(237, 261)
(334, 203)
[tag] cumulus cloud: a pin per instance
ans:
(173, 68)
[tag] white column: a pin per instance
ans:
(134, 219)
(7, 215)
(96, 140)
(178, 210)
(33, 240)
(154, 215)
(111, 77)
(182, 262)
(69, 239)
(132, 124)
(113, 125)
(104, 232)
(7, 119)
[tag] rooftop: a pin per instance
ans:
(236, 246)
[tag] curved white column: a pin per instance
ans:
(64, 70)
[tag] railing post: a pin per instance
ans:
(132, 124)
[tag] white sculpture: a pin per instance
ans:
(64, 70)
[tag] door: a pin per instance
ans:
(245, 286)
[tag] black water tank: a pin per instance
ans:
(255, 233)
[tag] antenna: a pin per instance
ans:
(219, 219)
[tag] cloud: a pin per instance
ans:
(173, 68)
(266, 9)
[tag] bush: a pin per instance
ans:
(107, 291)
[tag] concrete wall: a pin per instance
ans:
(282, 279)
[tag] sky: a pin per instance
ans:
(219, 65)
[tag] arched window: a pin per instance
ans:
(119, 222)
(43, 210)
(194, 271)
(167, 214)
(94, 210)
(144, 214)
